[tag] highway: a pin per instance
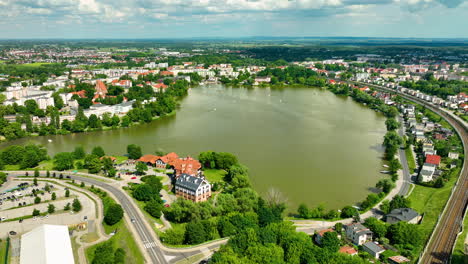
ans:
(440, 246)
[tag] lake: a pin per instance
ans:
(307, 143)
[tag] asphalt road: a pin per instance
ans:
(404, 163)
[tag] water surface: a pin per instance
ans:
(309, 144)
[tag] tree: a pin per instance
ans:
(104, 254)
(392, 124)
(36, 173)
(79, 152)
(92, 163)
(378, 227)
(394, 166)
(143, 192)
(37, 200)
(125, 121)
(154, 208)
(119, 256)
(63, 161)
(348, 211)
(403, 233)
(47, 187)
(76, 205)
(134, 151)
(67, 207)
(399, 201)
(195, 233)
(303, 211)
(35, 181)
(67, 193)
(51, 208)
(54, 196)
(330, 241)
(98, 151)
(141, 168)
(113, 214)
(385, 185)
(36, 212)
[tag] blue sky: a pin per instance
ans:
(232, 18)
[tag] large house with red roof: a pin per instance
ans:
(186, 165)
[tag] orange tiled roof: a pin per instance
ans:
(348, 250)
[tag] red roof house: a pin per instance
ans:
(433, 159)
(348, 250)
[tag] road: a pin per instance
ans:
(154, 250)
(440, 246)
(404, 163)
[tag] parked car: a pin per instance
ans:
(167, 205)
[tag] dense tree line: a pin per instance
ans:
(440, 88)
(28, 156)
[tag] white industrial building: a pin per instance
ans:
(47, 244)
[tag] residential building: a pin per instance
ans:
(192, 188)
(397, 260)
(348, 250)
(403, 214)
(358, 233)
(433, 159)
(372, 248)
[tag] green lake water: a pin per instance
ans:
(306, 143)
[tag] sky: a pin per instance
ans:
(130, 19)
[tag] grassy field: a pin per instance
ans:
(459, 257)
(430, 202)
(214, 175)
(122, 239)
(35, 64)
(410, 159)
(3, 251)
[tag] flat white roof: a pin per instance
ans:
(47, 244)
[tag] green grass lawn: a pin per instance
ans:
(46, 165)
(214, 175)
(430, 202)
(410, 159)
(122, 239)
(12, 167)
(120, 159)
(459, 256)
(3, 251)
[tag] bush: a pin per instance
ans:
(36, 212)
(113, 214)
(174, 236)
(76, 205)
(154, 208)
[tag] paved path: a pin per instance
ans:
(404, 162)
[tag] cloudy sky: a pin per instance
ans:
(232, 18)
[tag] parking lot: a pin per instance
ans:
(24, 194)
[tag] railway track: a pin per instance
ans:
(442, 241)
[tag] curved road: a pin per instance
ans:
(440, 246)
(153, 249)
